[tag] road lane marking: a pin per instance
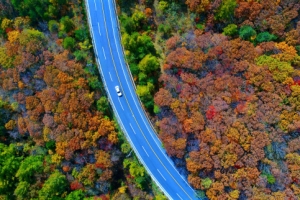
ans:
(95, 5)
(179, 196)
(167, 158)
(128, 137)
(133, 97)
(109, 45)
(145, 151)
(132, 129)
(161, 174)
(104, 53)
(110, 76)
(120, 103)
(99, 29)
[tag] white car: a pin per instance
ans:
(118, 90)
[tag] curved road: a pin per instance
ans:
(104, 30)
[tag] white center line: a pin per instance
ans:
(110, 76)
(161, 174)
(95, 5)
(99, 29)
(179, 196)
(132, 129)
(104, 53)
(145, 151)
(120, 103)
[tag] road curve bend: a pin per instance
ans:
(104, 30)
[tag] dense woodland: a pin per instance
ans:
(220, 80)
(227, 92)
(58, 135)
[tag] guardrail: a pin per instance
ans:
(115, 110)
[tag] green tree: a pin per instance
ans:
(125, 147)
(62, 34)
(143, 78)
(66, 24)
(141, 182)
(230, 29)
(298, 49)
(206, 183)
(270, 178)
(14, 106)
(75, 195)
(80, 55)
(35, 9)
(135, 169)
(156, 109)
(32, 36)
(10, 161)
(280, 70)
(138, 17)
(81, 34)
(102, 104)
(127, 23)
(226, 10)
(134, 69)
(265, 37)
(5, 60)
(54, 186)
(94, 82)
(138, 46)
(22, 190)
(145, 46)
(145, 94)
(165, 29)
(51, 145)
(162, 5)
(148, 64)
(247, 33)
(69, 43)
(30, 166)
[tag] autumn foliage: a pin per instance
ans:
(228, 105)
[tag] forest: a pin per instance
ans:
(58, 136)
(220, 80)
(225, 99)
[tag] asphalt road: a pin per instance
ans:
(104, 30)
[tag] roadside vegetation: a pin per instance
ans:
(58, 136)
(226, 94)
